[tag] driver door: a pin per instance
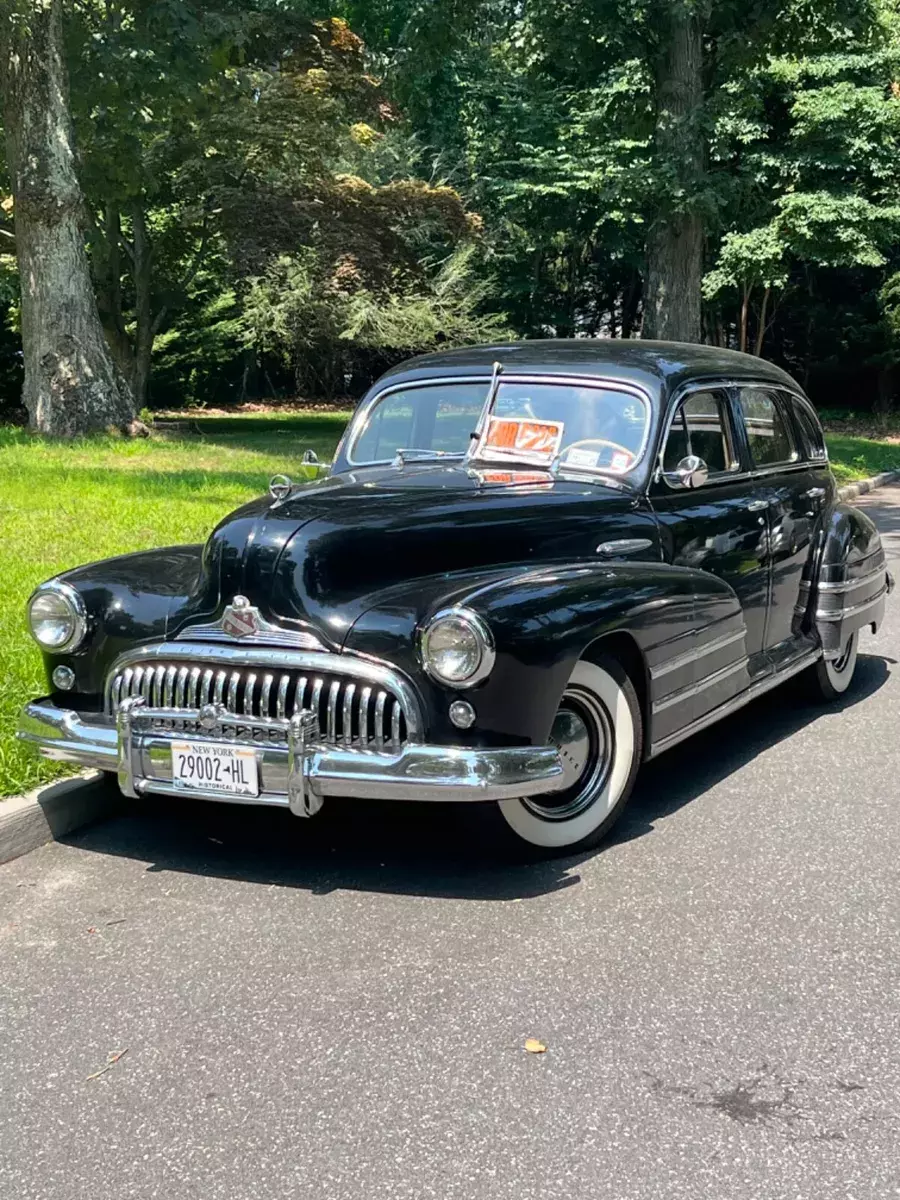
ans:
(721, 528)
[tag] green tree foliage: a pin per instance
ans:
(283, 194)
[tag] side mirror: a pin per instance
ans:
(691, 472)
(310, 458)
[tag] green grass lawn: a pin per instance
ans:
(64, 504)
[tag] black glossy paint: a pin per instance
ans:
(360, 559)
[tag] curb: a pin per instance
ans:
(52, 811)
(851, 490)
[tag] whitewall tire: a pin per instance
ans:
(598, 732)
(834, 676)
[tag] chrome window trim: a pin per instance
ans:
(806, 403)
(69, 594)
(369, 670)
(360, 417)
(731, 385)
(488, 648)
(796, 459)
(681, 397)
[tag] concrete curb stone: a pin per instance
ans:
(54, 810)
(57, 809)
(851, 490)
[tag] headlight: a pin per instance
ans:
(57, 617)
(457, 648)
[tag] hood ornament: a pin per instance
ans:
(280, 487)
(240, 619)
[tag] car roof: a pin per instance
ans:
(659, 366)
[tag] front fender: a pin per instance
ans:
(129, 600)
(543, 621)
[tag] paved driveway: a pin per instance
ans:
(338, 1009)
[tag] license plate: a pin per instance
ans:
(211, 767)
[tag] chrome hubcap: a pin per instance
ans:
(584, 736)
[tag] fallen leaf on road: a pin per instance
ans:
(92, 928)
(533, 1046)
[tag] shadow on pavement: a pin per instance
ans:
(447, 851)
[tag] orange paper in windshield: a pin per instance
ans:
(522, 439)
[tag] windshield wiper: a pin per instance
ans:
(403, 453)
(489, 399)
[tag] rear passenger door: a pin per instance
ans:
(794, 488)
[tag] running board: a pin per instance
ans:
(736, 702)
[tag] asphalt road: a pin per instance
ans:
(339, 1008)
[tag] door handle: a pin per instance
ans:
(758, 505)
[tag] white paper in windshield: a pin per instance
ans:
(520, 439)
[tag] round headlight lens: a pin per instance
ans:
(57, 620)
(457, 648)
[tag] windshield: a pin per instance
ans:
(588, 428)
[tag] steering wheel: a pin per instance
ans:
(592, 442)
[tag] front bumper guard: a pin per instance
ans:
(297, 774)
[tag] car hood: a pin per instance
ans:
(323, 556)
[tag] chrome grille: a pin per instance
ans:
(351, 712)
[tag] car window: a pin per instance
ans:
(437, 418)
(700, 427)
(594, 428)
(768, 435)
(810, 429)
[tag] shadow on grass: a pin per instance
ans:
(450, 851)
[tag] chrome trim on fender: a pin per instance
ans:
(683, 660)
(848, 586)
(369, 670)
(736, 702)
(701, 685)
(841, 614)
(416, 772)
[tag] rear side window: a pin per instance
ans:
(768, 433)
(810, 430)
(701, 427)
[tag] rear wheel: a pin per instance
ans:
(598, 732)
(831, 677)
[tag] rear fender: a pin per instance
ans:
(845, 588)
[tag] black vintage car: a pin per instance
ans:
(530, 568)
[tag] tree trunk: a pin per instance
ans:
(743, 324)
(145, 333)
(763, 317)
(71, 385)
(631, 299)
(675, 239)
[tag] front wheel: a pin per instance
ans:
(598, 732)
(831, 677)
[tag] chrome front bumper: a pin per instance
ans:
(296, 775)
